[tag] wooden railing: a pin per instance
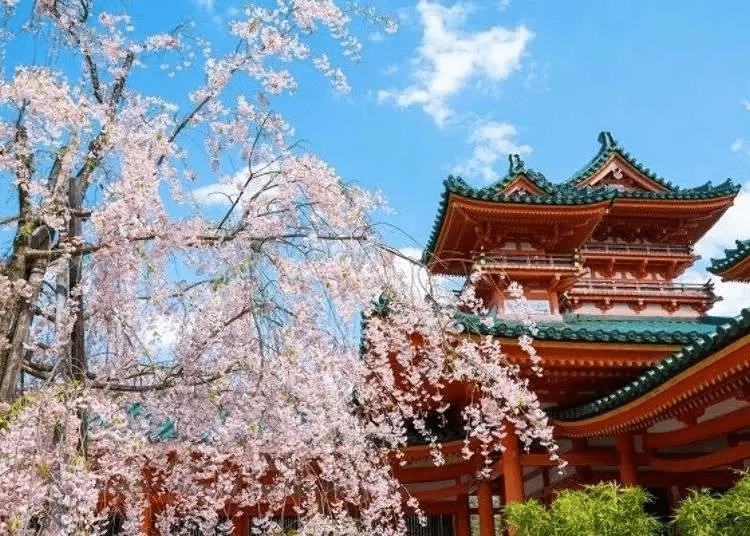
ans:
(641, 287)
(643, 249)
(535, 260)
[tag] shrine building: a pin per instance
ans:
(642, 387)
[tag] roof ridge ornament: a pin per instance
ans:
(608, 142)
(516, 165)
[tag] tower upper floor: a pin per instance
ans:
(609, 240)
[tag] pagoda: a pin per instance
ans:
(642, 385)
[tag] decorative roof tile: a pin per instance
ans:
(700, 348)
(517, 167)
(656, 330)
(731, 257)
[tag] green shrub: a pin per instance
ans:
(702, 514)
(600, 510)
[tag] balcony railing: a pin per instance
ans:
(644, 249)
(641, 287)
(516, 260)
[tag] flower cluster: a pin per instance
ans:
(175, 363)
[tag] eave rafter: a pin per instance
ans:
(473, 225)
(738, 272)
(718, 426)
(706, 381)
(661, 221)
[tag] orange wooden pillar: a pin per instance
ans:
(628, 465)
(486, 513)
(462, 524)
(147, 521)
(512, 472)
(241, 527)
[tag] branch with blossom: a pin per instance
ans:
(176, 369)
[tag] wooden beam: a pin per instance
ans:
(698, 463)
(440, 493)
(424, 452)
(438, 507)
(717, 426)
(435, 473)
(601, 456)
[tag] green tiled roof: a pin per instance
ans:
(722, 335)
(161, 430)
(731, 257)
(565, 193)
(655, 330)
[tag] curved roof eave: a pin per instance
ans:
(657, 375)
(564, 196)
(731, 258)
(565, 193)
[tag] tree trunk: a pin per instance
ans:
(16, 325)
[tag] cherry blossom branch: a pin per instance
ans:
(94, 76)
(9, 219)
(189, 117)
(62, 249)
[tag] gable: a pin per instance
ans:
(619, 174)
(521, 185)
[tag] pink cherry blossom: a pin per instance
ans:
(170, 365)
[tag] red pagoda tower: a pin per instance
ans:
(643, 387)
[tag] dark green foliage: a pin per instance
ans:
(600, 510)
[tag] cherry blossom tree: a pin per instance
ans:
(172, 366)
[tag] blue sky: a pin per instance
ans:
(670, 80)
(462, 84)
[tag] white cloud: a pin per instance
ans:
(734, 225)
(419, 282)
(491, 141)
(745, 104)
(220, 193)
(413, 276)
(376, 37)
(390, 70)
(449, 58)
(226, 190)
(206, 4)
(740, 146)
